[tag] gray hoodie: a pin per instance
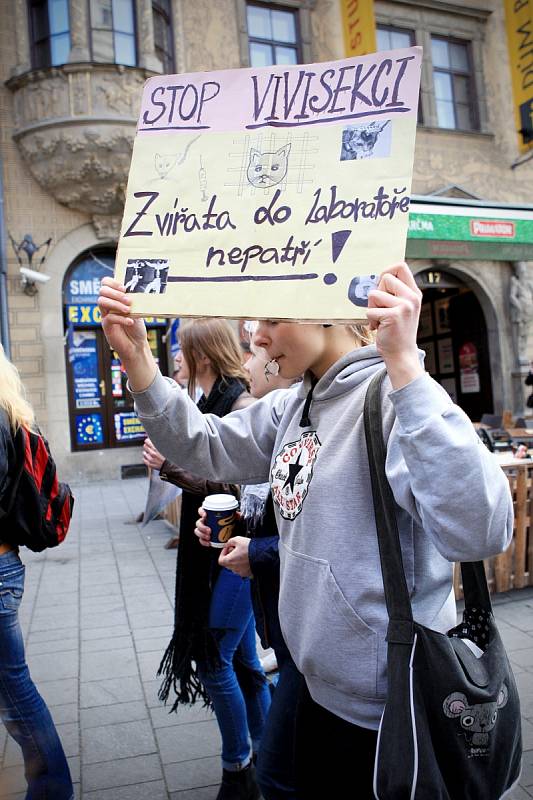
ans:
(454, 504)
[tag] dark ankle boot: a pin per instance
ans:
(239, 785)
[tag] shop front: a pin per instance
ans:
(101, 413)
(467, 256)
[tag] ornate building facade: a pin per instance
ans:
(71, 79)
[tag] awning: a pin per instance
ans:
(448, 228)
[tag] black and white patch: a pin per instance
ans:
(292, 472)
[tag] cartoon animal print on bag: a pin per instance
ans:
(268, 169)
(476, 720)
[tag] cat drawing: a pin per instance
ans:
(267, 169)
(164, 162)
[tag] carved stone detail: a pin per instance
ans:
(75, 127)
(85, 167)
(21, 37)
(79, 31)
(107, 228)
(521, 308)
(145, 25)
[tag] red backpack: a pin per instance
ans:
(37, 510)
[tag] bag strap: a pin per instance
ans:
(397, 599)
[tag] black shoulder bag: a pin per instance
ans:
(451, 725)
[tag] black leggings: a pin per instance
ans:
(334, 759)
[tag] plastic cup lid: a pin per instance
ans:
(220, 502)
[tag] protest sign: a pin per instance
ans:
(274, 193)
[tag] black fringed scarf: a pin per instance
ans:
(197, 569)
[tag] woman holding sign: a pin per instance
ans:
(310, 444)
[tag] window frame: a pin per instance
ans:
(471, 82)
(273, 43)
(157, 8)
(397, 29)
(113, 31)
(47, 40)
(412, 36)
(468, 24)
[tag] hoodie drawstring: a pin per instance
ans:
(305, 422)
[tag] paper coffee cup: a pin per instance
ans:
(220, 510)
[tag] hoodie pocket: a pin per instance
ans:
(326, 637)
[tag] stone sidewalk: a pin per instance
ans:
(97, 615)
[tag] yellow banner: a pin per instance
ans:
(359, 27)
(519, 24)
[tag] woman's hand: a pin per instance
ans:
(201, 530)
(151, 457)
(234, 556)
(393, 311)
(126, 335)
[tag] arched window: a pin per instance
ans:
(49, 32)
(163, 39)
(113, 32)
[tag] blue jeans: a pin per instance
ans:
(241, 711)
(22, 709)
(275, 764)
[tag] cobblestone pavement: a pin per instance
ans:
(97, 614)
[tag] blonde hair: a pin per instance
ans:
(215, 339)
(13, 395)
(362, 333)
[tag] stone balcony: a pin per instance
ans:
(75, 127)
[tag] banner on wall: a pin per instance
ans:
(278, 192)
(359, 27)
(84, 359)
(519, 25)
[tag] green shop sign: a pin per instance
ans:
(465, 237)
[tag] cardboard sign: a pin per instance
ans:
(273, 193)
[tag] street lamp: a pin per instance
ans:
(25, 251)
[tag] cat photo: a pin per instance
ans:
(268, 169)
(371, 140)
(164, 163)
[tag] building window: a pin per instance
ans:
(272, 35)
(389, 38)
(113, 32)
(50, 32)
(164, 45)
(453, 82)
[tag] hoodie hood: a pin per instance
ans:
(344, 375)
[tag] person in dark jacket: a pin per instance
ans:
(212, 655)
(256, 555)
(22, 709)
